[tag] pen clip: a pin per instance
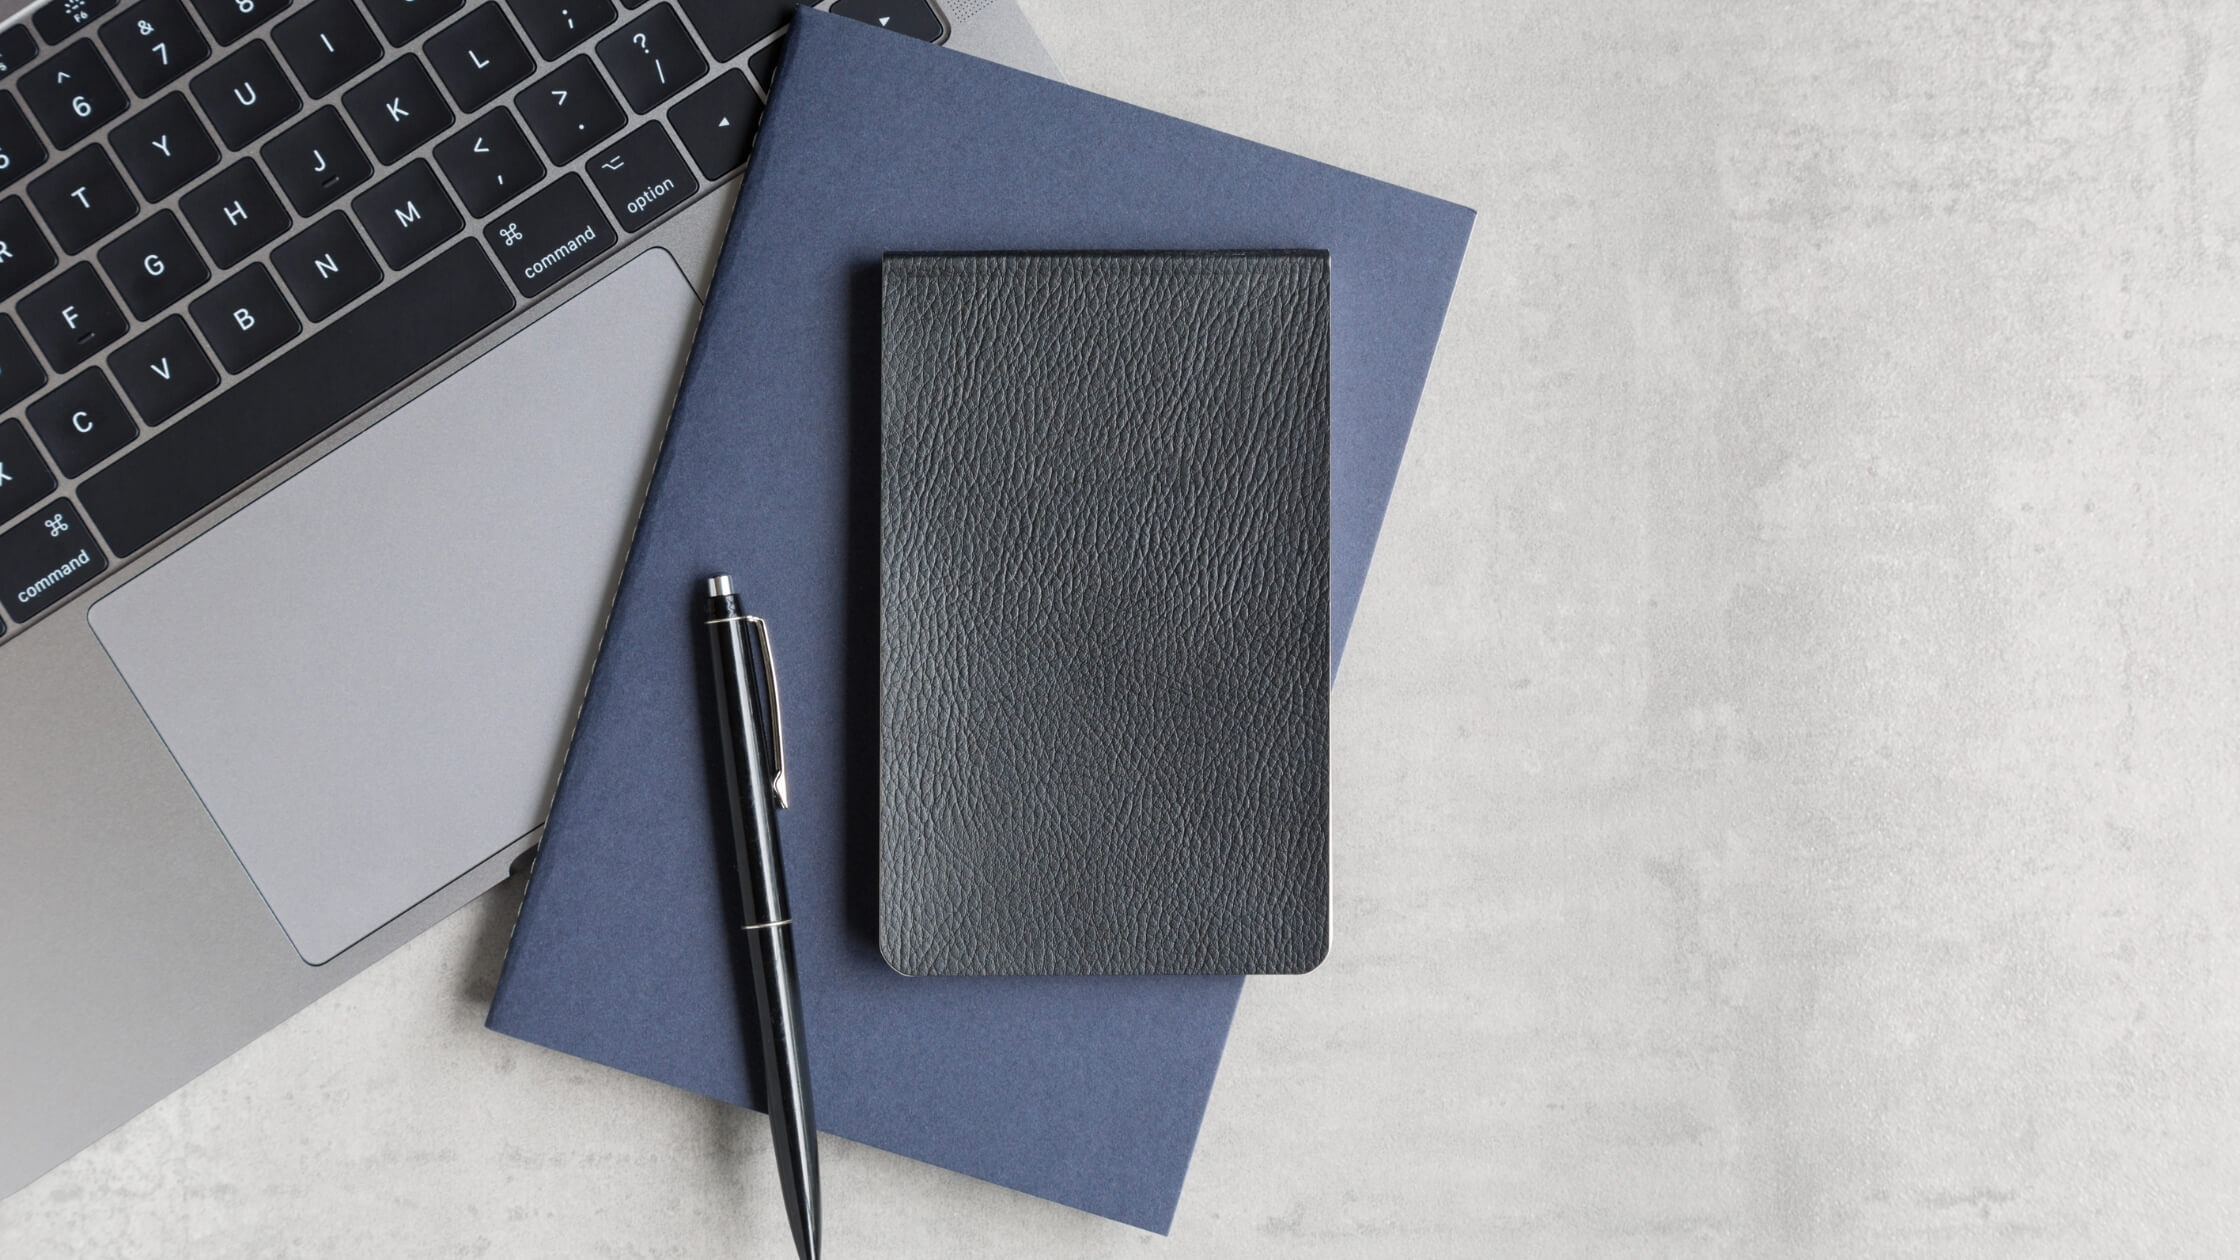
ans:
(774, 739)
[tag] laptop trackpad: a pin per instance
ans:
(369, 673)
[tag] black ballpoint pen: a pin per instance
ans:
(754, 768)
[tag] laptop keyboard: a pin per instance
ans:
(227, 226)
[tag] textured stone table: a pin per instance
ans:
(1788, 759)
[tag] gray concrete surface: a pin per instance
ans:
(1788, 760)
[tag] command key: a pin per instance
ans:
(551, 236)
(46, 558)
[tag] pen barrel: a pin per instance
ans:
(785, 1080)
(754, 820)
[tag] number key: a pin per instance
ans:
(154, 42)
(20, 150)
(17, 48)
(652, 59)
(229, 20)
(72, 94)
(24, 479)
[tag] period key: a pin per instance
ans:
(551, 236)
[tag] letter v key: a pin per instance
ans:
(162, 367)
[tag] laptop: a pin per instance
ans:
(337, 338)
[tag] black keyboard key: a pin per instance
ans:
(245, 318)
(234, 213)
(24, 253)
(479, 56)
(914, 18)
(83, 422)
(24, 478)
(403, 20)
(246, 95)
(153, 265)
(762, 67)
(20, 373)
(72, 317)
(154, 42)
(72, 94)
(316, 161)
(717, 122)
(730, 27)
(83, 199)
(652, 59)
(398, 109)
(64, 18)
(642, 177)
(551, 236)
(229, 20)
(164, 146)
(555, 26)
(569, 110)
(489, 162)
(47, 558)
(326, 266)
(20, 150)
(327, 45)
(162, 370)
(17, 48)
(407, 215)
(300, 395)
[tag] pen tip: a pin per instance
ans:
(720, 584)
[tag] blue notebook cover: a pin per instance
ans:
(1085, 1091)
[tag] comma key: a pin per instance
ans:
(46, 558)
(551, 236)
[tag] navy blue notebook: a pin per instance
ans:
(1087, 1091)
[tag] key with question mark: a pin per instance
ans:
(652, 58)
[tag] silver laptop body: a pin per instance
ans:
(294, 621)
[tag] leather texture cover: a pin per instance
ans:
(1083, 1089)
(1104, 597)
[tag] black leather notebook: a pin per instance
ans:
(1104, 613)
